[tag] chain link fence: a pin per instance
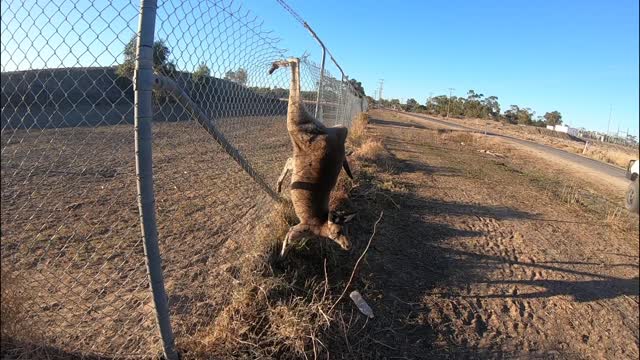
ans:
(74, 279)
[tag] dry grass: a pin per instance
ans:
(283, 307)
(374, 151)
(371, 149)
(19, 338)
(268, 315)
(461, 137)
(268, 307)
(610, 153)
(358, 129)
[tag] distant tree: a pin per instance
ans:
(511, 115)
(553, 118)
(395, 103)
(438, 105)
(525, 116)
(161, 61)
(539, 121)
(473, 105)
(239, 76)
(412, 103)
(357, 85)
(492, 107)
(370, 99)
(201, 73)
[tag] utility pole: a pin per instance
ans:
(449, 101)
(609, 123)
(380, 86)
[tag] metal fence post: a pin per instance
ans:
(324, 55)
(319, 96)
(143, 113)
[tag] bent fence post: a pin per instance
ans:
(167, 84)
(143, 114)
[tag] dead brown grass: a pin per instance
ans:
(19, 339)
(460, 137)
(284, 307)
(373, 151)
(610, 153)
(357, 133)
(273, 307)
(268, 316)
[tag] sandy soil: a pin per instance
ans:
(613, 186)
(476, 256)
(71, 233)
(614, 154)
(484, 259)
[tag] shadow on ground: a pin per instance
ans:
(15, 349)
(392, 123)
(409, 258)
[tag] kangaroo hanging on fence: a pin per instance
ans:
(318, 155)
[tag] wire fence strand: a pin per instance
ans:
(73, 266)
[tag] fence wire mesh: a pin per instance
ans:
(73, 267)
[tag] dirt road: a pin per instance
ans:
(481, 261)
(602, 169)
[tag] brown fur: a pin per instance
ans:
(318, 155)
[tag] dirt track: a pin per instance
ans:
(582, 163)
(70, 230)
(483, 260)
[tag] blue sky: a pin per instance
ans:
(577, 57)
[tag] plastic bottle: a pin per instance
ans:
(361, 304)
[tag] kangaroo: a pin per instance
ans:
(318, 155)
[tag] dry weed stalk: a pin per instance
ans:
(355, 267)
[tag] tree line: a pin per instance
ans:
(201, 76)
(474, 105)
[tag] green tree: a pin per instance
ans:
(239, 76)
(492, 107)
(525, 116)
(539, 121)
(357, 85)
(161, 63)
(412, 103)
(511, 115)
(553, 118)
(473, 105)
(201, 73)
(370, 100)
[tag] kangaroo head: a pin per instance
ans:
(334, 229)
(283, 63)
